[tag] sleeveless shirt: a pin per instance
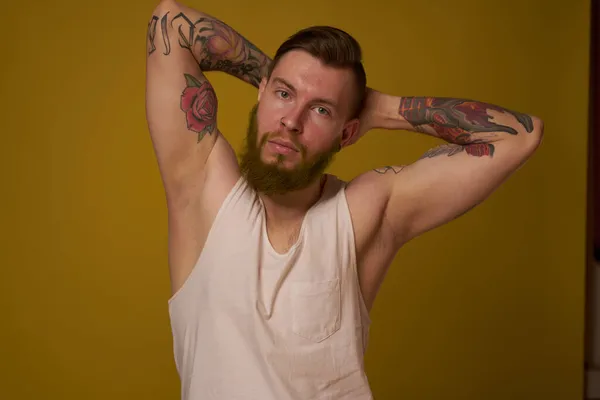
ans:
(253, 324)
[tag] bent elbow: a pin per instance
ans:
(538, 127)
(536, 135)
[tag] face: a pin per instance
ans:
(300, 121)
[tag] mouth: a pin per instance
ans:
(283, 146)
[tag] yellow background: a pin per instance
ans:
(489, 306)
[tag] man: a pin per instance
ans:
(274, 264)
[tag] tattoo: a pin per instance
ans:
(420, 129)
(386, 169)
(165, 34)
(199, 102)
(473, 149)
(456, 120)
(214, 45)
(152, 34)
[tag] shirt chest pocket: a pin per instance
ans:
(316, 309)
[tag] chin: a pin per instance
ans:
(281, 165)
(283, 162)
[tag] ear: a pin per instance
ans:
(350, 133)
(261, 87)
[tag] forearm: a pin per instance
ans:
(457, 121)
(214, 45)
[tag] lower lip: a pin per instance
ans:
(281, 149)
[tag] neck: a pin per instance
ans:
(283, 209)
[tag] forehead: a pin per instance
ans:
(311, 78)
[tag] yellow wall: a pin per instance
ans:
(490, 306)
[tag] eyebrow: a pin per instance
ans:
(293, 89)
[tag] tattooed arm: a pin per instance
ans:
(464, 122)
(485, 144)
(197, 165)
(182, 44)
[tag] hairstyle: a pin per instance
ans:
(334, 48)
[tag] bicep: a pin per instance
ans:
(448, 181)
(181, 105)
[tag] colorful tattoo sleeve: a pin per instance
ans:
(459, 122)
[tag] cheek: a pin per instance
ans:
(267, 118)
(316, 140)
(326, 127)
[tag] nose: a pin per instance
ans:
(292, 121)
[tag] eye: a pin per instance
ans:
(283, 94)
(322, 111)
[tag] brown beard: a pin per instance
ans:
(273, 178)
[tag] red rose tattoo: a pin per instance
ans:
(480, 149)
(199, 103)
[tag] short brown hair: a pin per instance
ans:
(333, 47)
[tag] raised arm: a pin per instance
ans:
(181, 103)
(196, 164)
(486, 143)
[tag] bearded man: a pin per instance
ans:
(275, 264)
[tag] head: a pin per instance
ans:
(307, 110)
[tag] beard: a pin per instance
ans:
(274, 178)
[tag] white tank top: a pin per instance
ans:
(252, 324)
